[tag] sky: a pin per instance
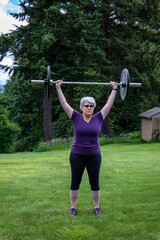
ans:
(7, 23)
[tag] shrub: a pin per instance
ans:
(56, 144)
(8, 131)
(21, 145)
(156, 134)
(135, 136)
(104, 141)
(64, 143)
(63, 127)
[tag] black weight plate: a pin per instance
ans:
(124, 84)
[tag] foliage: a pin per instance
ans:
(136, 135)
(25, 111)
(56, 144)
(63, 127)
(66, 143)
(3, 100)
(156, 134)
(82, 41)
(133, 42)
(8, 130)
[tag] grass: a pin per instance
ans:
(34, 196)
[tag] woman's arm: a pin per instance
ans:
(67, 108)
(105, 110)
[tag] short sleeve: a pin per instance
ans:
(99, 117)
(75, 114)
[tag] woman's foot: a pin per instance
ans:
(97, 211)
(73, 212)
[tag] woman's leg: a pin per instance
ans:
(96, 198)
(74, 196)
(93, 169)
(77, 169)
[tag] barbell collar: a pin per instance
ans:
(135, 84)
(45, 81)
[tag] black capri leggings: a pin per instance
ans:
(78, 163)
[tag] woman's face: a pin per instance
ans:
(88, 108)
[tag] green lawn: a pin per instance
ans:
(34, 196)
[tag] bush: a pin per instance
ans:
(8, 131)
(136, 136)
(21, 145)
(64, 143)
(117, 140)
(156, 135)
(132, 137)
(63, 127)
(56, 144)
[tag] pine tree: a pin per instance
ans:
(61, 35)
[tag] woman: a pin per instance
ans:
(85, 151)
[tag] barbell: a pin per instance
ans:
(124, 84)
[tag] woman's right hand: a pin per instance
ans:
(59, 83)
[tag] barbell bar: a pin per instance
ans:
(124, 84)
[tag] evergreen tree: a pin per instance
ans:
(133, 38)
(60, 35)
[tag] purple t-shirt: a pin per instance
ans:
(86, 135)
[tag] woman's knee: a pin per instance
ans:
(75, 183)
(94, 184)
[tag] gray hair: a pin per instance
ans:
(87, 99)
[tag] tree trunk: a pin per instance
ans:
(47, 116)
(106, 128)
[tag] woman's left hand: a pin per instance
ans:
(114, 85)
